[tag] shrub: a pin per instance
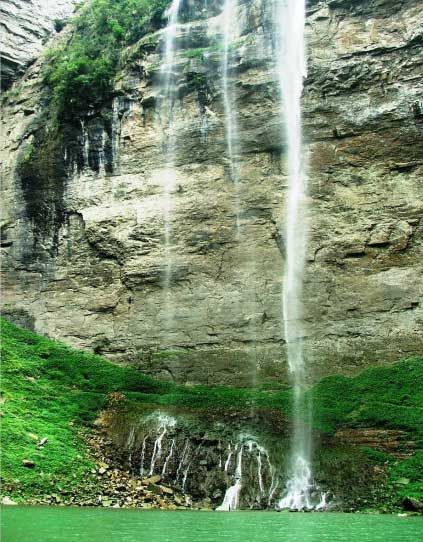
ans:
(81, 70)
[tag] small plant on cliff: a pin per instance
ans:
(81, 70)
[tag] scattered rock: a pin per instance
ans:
(28, 463)
(413, 505)
(166, 490)
(7, 501)
(152, 480)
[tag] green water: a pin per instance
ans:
(31, 524)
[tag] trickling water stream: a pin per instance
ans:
(229, 28)
(167, 95)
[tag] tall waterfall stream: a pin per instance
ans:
(166, 107)
(289, 76)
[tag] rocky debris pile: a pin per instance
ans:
(121, 488)
(110, 485)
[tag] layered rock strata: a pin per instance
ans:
(25, 25)
(84, 249)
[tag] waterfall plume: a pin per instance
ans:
(291, 71)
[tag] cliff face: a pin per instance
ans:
(84, 249)
(25, 26)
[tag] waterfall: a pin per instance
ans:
(259, 472)
(231, 500)
(245, 275)
(157, 450)
(249, 451)
(168, 457)
(164, 423)
(144, 443)
(228, 460)
(291, 67)
(229, 30)
(184, 457)
(167, 95)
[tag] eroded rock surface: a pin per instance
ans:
(91, 273)
(25, 25)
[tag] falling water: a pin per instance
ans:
(144, 443)
(248, 450)
(229, 29)
(168, 458)
(157, 450)
(167, 82)
(228, 460)
(163, 424)
(292, 71)
(184, 457)
(246, 275)
(259, 472)
(231, 500)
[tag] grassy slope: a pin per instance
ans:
(388, 397)
(50, 390)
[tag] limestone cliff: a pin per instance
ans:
(83, 248)
(25, 25)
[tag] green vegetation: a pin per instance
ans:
(199, 52)
(52, 391)
(384, 397)
(80, 71)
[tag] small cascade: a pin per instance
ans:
(164, 423)
(116, 130)
(230, 32)
(231, 500)
(184, 456)
(273, 482)
(185, 477)
(228, 460)
(142, 459)
(249, 453)
(166, 102)
(166, 463)
(130, 443)
(259, 472)
(198, 464)
(323, 504)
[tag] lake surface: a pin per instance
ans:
(35, 524)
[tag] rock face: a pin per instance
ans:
(203, 456)
(25, 25)
(84, 250)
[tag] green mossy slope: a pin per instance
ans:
(52, 391)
